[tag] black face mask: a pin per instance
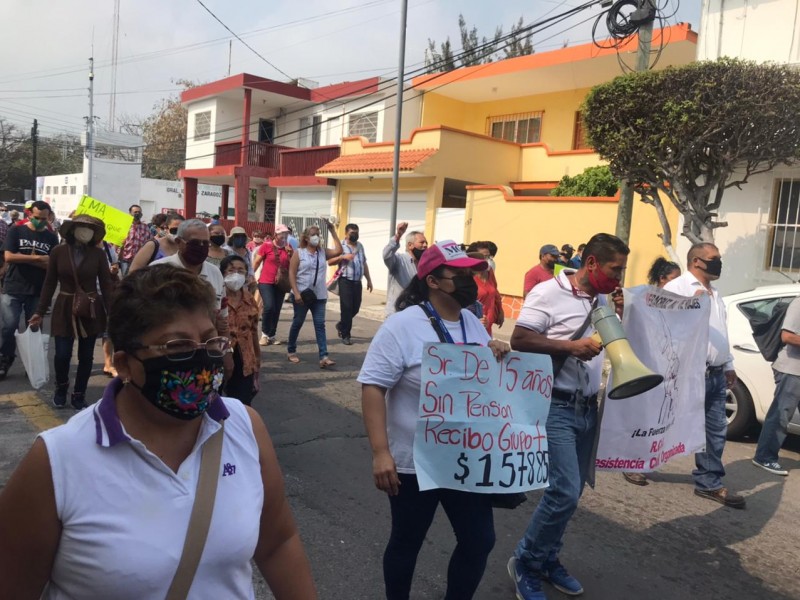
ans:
(217, 240)
(466, 292)
(713, 266)
(353, 237)
(417, 252)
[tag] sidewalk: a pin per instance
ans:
(373, 306)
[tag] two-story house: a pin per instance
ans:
(265, 139)
(493, 140)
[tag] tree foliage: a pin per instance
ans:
(477, 50)
(594, 181)
(694, 131)
(54, 155)
(164, 133)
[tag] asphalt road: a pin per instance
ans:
(658, 542)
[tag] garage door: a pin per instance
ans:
(371, 212)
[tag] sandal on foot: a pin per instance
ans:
(326, 362)
(293, 358)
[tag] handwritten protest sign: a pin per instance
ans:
(481, 425)
(669, 334)
(117, 223)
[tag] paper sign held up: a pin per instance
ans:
(117, 223)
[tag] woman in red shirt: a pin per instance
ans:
(273, 283)
(488, 295)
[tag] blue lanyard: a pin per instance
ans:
(441, 326)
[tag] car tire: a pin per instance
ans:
(739, 410)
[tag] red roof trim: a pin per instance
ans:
(245, 80)
(301, 181)
(345, 89)
(376, 162)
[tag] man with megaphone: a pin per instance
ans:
(556, 320)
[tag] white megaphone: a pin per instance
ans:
(629, 377)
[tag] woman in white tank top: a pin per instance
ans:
(100, 507)
(307, 271)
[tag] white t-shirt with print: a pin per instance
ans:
(394, 361)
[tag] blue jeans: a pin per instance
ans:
(11, 308)
(709, 472)
(63, 357)
(776, 423)
(318, 315)
(472, 520)
(571, 428)
(272, 299)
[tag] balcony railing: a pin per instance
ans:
(258, 154)
(306, 161)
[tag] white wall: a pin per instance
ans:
(167, 196)
(745, 244)
(200, 154)
(62, 204)
(760, 30)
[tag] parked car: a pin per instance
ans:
(750, 398)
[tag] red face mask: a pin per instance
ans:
(602, 283)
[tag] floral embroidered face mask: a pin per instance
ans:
(182, 389)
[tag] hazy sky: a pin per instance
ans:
(46, 44)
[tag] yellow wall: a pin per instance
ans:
(558, 122)
(520, 228)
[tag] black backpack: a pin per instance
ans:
(767, 332)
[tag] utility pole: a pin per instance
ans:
(625, 207)
(401, 74)
(90, 129)
(112, 105)
(34, 147)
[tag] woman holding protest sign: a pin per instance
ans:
(79, 312)
(430, 309)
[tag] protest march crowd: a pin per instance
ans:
(179, 486)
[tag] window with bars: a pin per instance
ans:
(202, 126)
(73, 189)
(523, 128)
(579, 138)
(365, 125)
(64, 189)
(783, 245)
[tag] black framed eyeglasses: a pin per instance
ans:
(178, 350)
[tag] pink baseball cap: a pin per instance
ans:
(449, 254)
(281, 229)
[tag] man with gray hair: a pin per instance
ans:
(402, 268)
(193, 242)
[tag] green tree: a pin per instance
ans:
(694, 131)
(594, 181)
(476, 50)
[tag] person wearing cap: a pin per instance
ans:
(565, 256)
(26, 252)
(79, 259)
(548, 257)
(402, 267)
(237, 244)
(273, 259)
(390, 380)
(554, 320)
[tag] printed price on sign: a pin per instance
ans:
(481, 422)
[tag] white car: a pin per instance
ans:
(750, 398)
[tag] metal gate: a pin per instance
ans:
(299, 223)
(784, 238)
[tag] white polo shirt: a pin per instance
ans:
(124, 513)
(394, 362)
(208, 272)
(556, 309)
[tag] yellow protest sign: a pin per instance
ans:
(117, 223)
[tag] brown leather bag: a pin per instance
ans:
(282, 274)
(83, 304)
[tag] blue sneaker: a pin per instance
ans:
(528, 586)
(556, 574)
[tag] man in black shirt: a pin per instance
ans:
(26, 251)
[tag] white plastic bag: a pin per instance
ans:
(32, 350)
